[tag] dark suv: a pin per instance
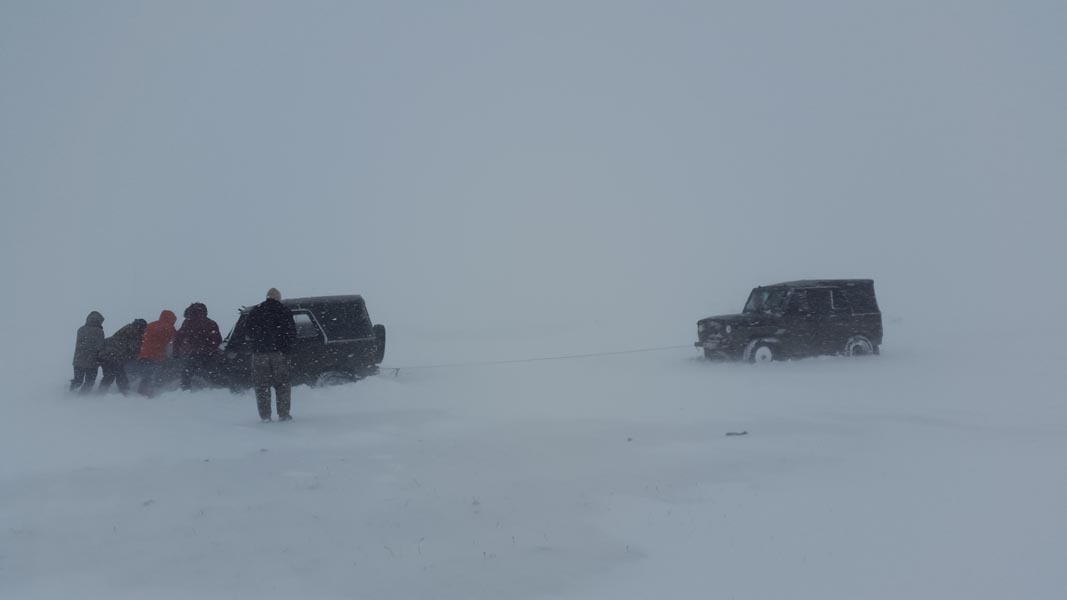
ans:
(335, 343)
(797, 319)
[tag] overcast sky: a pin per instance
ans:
(489, 168)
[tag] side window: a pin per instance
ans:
(239, 335)
(305, 327)
(819, 300)
(861, 301)
(799, 303)
(811, 301)
(839, 300)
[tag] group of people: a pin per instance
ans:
(195, 345)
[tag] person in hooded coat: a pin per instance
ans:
(157, 335)
(122, 347)
(197, 344)
(86, 352)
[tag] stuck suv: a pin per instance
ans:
(796, 319)
(335, 342)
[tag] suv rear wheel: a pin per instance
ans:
(859, 345)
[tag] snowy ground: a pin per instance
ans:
(925, 473)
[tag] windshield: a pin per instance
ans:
(766, 300)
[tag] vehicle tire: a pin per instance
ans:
(332, 378)
(379, 334)
(859, 345)
(760, 351)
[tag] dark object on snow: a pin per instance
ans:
(797, 319)
(335, 342)
(119, 349)
(125, 344)
(90, 340)
(197, 345)
(87, 352)
(271, 331)
(199, 336)
(157, 335)
(733, 433)
(271, 370)
(271, 327)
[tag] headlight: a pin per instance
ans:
(729, 329)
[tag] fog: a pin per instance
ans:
(488, 170)
(508, 180)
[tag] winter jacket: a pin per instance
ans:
(199, 335)
(157, 335)
(90, 339)
(271, 327)
(125, 344)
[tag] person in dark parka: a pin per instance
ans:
(86, 352)
(197, 344)
(272, 331)
(119, 349)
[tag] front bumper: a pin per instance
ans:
(710, 344)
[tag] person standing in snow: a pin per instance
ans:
(272, 331)
(197, 344)
(86, 352)
(122, 347)
(154, 351)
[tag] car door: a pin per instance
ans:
(841, 324)
(236, 367)
(799, 325)
(808, 318)
(307, 356)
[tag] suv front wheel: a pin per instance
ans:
(760, 351)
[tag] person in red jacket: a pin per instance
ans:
(157, 336)
(197, 344)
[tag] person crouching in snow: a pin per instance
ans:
(86, 352)
(196, 344)
(122, 347)
(154, 351)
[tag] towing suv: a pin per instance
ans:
(335, 343)
(797, 319)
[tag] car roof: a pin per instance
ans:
(803, 283)
(314, 301)
(310, 300)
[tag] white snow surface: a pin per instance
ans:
(921, 473)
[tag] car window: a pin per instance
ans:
(839, 300)
(305, 327)
(798, 303)
(770, 300)
(240, 333)
(819, 300)
(344, 320)
(861, 301)
(811, 301)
